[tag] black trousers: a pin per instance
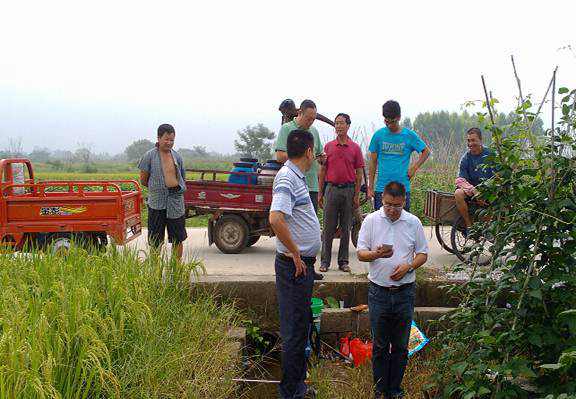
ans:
(294, 297)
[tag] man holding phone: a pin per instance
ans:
(394, 243)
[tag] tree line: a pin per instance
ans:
(443, 131)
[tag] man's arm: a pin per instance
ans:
(421, 159)
(366, 255)
(321, 177)
(281, 143)
(420, 250)
(144, 177)
(401, 270)
(357, 186)
(280, 227)
(281, 156)
(373, 164)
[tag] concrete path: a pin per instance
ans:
(259, 259)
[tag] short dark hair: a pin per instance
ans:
(345, 116)
(304, 105)
(395, 189)
(299, 140)
(165, 129)
(476, 131)
(391, 109)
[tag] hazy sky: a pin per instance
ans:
(106, 73)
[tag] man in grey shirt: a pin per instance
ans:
(297, 229)
(162, 171)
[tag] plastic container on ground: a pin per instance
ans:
(317, 305)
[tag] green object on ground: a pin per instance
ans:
(317, 305)
(332, 302)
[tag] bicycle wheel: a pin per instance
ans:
(443, 235)
(469, 247)
(459, 239)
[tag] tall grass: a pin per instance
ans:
(334, 380)
(87, 326)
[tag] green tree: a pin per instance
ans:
(137, 149)
(197, 152)
(517, 318)
(40, 155)
(255, 142)
(407, 123)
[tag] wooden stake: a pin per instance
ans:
(487, 100)
(517, 79)
(544, 99)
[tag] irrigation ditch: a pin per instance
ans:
(258, 351)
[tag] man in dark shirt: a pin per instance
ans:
(471, 173)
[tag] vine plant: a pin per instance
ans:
(515, 330)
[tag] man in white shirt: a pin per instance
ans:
(394, 243)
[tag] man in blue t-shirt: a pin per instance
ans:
(471, 172)
(390, 151)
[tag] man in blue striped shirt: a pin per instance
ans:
(297, 230)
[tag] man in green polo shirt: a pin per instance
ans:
(304, 120)
(306, 117)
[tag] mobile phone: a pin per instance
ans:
(385, 247)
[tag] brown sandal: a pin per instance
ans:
(323, 269)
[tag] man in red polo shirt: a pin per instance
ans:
(340, 179)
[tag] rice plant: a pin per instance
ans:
(109, 325)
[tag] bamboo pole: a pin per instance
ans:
(544, 99)
(487, 100)
(517, 79)
(552, 193)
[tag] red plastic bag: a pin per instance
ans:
(345, 346)
(361, 352)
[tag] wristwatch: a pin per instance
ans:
(411, 270)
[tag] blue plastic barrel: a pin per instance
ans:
(246, 167)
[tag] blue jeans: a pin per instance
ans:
(390, 321)
(294, 298)
(378, 201)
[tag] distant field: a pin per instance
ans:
(433, 176)
(122, 171)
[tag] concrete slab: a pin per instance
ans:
(258, 260)
(258, 293)
(341, 321)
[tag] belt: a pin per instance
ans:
(393, 289)
(342, 185)
(306, 259)
(173, 190)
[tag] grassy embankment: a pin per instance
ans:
(109, 325)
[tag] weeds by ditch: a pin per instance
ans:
(110, 325)
(334, 380)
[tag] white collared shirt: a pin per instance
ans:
(407, 237)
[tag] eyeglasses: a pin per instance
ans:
(395, 207)
(389, 121)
